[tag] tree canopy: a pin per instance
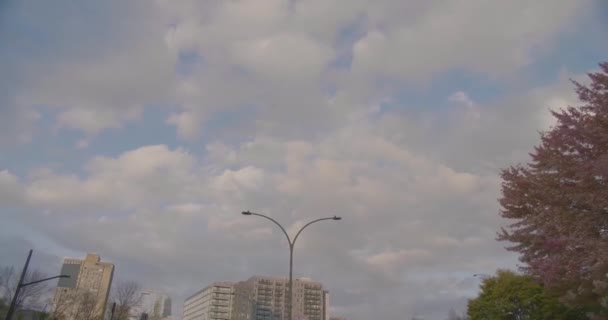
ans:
(560, 200)
(510, 296)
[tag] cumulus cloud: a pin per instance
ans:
(448, 36)
(187, 124)
(156, 202)
(295, 109)
(406, 211)
(390, 260)
(149, 174)
(89, 85)
(10, 188)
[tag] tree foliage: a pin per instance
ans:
(560, 200)
(510, 296)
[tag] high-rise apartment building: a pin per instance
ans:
(214, 302)
(325, 305)
(84, 294)
(269, 297)
(259, 298)
(155, 304)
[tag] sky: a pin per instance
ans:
(140, 130)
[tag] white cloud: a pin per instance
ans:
(187, 208)
(82, 143)
(17, 124)
(93, 86)
(93, 120)
(390, 260)
(284, 57)
(449, 36)
(287, 133)
(245, 178)
(187, 124)
(143, 162)
(141, 177)
(159, 204)
(10, 188)
(285, 53)
(461, 97)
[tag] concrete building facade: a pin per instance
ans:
(214, 302)
(259, 298)
(85, 294)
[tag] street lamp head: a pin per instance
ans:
(337, 218)
(246, 213)
(64, 276)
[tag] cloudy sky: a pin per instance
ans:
(141, 129)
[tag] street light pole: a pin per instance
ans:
(13, 306)
(291, 249)
(11, 309)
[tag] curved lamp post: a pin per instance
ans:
(13, 306)
(291, 247)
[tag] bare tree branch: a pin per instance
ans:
(126, 295)
(30, 295)
(76, 304)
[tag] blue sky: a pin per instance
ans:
(139, 131)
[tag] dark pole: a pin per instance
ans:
(45, 279)
(291, 249)
(290, 311)
(11, 309)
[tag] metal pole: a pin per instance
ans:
(291, 249)
(45, 279)
(113, 308)
(13, 307)
(290, 313)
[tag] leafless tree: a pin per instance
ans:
(126, 295)
(81, 305)
(62, 304)
(155, 314)
(86, 309)
(9, 279)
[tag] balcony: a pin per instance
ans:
(219, 309)
(220, 303)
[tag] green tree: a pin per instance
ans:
(511, 296)
(559, 202)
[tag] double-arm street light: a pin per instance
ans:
(21, 284)
(291, 247)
